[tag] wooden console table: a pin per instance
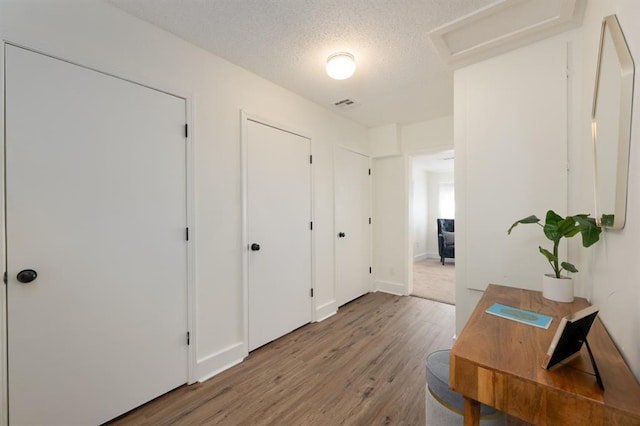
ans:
(498, 362)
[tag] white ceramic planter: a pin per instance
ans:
(557, 289)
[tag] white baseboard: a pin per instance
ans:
(399, 289)
(325, 311)
(216, 363)
(419, 257)
(426, 255)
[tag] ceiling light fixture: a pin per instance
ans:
(341, 66)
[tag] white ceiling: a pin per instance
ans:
(399, 77)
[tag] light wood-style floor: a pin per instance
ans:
(362, 366)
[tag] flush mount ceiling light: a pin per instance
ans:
(341, 65)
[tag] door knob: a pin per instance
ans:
(341, 235)
(255, 247)
(27, 275)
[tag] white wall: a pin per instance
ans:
(384, 140)
(98, 35)
(511, 157)
(390, 224)
(427, 136)
(610, 271)
(420, 208)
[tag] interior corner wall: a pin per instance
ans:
(390, 226)
(98, 35)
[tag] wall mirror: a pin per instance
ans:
(611, 124)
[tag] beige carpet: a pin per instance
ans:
(434, 281)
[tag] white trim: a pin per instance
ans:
(312, 169)
(469, 39)
(347, 148)
(217, 362)
(191, 366)
(421, 256)
(399, 289)
(409, 232)
(244, 184)
(334, 288)
(4, 386)
(191, 246)
(326, 310)
(274, 124)
(244, 170)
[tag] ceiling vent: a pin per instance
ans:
(345, 103)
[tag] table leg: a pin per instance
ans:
(471, 412)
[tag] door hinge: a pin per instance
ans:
(4, 277)
(311, 159)
(186, 130)
(311, 225)
(369, 172)
(311, 292)
(187, 232)
(188, 338)
(369, 269)
(369, 221)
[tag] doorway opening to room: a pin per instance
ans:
(433, 226)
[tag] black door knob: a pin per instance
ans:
(341, 235)
(255, 247)
(27, 275)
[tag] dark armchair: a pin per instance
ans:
(446, 239)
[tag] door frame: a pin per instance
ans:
(245, 117)
(335, 230)
(190, 215)
(410, 157)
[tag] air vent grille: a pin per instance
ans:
(345, 103)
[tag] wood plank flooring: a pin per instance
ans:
(362, 366)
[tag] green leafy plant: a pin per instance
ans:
(556, 227)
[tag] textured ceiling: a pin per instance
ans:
(399, 76)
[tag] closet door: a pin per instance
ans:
(279, 232)
(96, 247)
(352, 228)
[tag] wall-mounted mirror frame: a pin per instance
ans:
(611, 124)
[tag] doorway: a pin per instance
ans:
(432, 198)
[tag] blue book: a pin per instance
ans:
(520, 315)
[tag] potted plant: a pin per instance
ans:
(556, 286)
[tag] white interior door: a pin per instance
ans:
(352, 228)
(278, 221)
(96, 205)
